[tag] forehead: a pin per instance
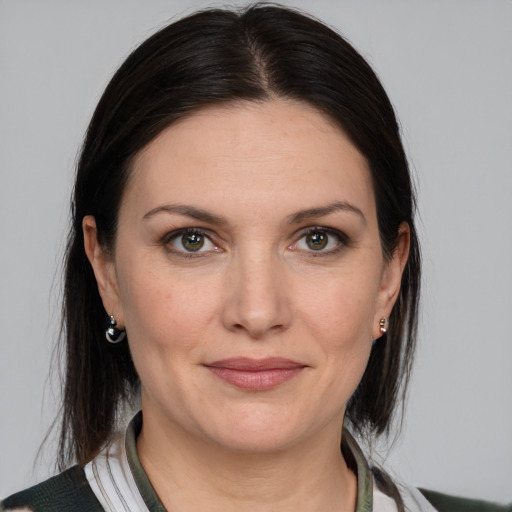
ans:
(243, 154)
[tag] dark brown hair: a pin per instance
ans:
(211, 57)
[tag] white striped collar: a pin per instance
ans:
(119, 482)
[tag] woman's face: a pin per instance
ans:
(249, 275)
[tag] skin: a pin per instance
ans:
(255, 289)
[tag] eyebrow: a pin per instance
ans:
(321, 211)
(211, 218)
(188, 211)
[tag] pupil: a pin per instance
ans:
(316, 241)
(192, 241)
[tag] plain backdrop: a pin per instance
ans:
(447, 67)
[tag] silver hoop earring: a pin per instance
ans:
(384, 325)
(113, 334)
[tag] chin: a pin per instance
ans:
(258, 431)
(257, 442)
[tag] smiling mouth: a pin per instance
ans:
(255, 374)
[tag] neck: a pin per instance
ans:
(192, 473)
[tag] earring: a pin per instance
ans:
(383, 325)
(113, 334)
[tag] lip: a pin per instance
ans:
(255, 374)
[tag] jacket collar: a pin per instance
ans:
(351, 451)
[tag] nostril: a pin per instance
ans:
(256, 304)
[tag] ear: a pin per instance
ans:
(104, 270)
(392, 278)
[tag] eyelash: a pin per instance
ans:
(175, 235)
(342, 241)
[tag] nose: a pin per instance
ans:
(257, 300)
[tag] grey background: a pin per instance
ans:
(447, 66)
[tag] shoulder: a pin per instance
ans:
(424, 500)
(443, 502)
(68, 491)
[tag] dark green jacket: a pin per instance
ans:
(70, 491)
(443, 502)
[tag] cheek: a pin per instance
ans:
(164, 313)
(342, 309)
(340, 319)
(167, 321)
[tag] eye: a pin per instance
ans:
(320, 240)
(190, 241)
(317, 241)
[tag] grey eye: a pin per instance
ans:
(191, 241)
(317, 240)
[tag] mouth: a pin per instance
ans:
(255, 374)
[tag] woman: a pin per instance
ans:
(243, 256)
